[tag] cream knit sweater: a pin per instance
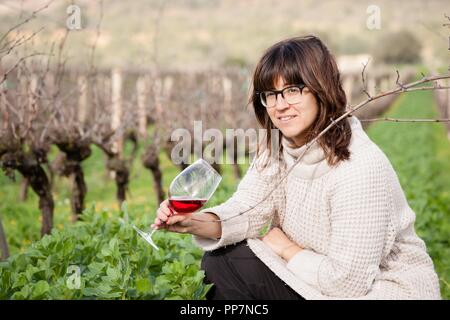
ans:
(353, 221)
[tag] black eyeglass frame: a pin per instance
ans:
(276, 92)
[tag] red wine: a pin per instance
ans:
(186, 205)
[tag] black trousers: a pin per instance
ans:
(238, 274)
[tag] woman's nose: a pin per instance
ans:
(280, 103)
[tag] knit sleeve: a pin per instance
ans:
(252, 188)
(360, 210)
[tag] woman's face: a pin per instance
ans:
(294, 120)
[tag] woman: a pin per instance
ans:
(341, 227)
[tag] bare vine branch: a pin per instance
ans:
(364, 80)
(404, 120)
(403, 88)
(5, 75)
(32, 16)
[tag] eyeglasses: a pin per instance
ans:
(292, 95)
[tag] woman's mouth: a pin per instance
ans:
(286, 118)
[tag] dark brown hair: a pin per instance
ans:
(305, 60)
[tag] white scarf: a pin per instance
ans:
(314, 164)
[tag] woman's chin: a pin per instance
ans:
(293, 135)
(290, 134)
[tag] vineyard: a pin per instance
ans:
(54, 120)
(116, 264)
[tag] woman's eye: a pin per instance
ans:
(269, 94)
(293, 90)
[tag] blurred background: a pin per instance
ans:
(217, 33)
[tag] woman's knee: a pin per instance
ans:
(215, 262)
(209, 263)
(220, 271)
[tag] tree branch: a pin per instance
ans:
(5, 75)
(404, 120)
(402, 88)
(32, 16)
(364, 80)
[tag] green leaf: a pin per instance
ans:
(106, 251)
(125, 212)
(24, 293)
(40, 289)
(188, 259)
(174, 298)
(29, 272)
(67, 248)
(113, 274)
(113, 244)
(143, 285)
(163, 286)
(97, 266)
(20, 281)
(201, 292)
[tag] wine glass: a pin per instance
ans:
(189, 191)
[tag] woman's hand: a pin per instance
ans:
(167, 218)
(277, 240)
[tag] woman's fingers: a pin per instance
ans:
(157, 223)
(165, 206)
(163, 212)
(163, 216)
(177, 228)
(169, 219)
(176, 223)
(175, 219)
(179, 223)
